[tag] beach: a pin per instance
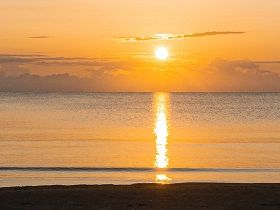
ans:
(143, 196)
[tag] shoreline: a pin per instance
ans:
(143, 196)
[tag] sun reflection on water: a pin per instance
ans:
(161, 133)
(162, 179)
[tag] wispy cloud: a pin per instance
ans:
(175, 36)
(268, 62)
(47, 60)
(39, 37)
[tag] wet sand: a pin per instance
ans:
(142, 196)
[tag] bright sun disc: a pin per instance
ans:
(161, 53)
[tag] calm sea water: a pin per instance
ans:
(123, 138)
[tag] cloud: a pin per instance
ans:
(39, 37)
(48, 60)
(238, 76)
(98, 82)
(17, 64)
(173, 36)
(12, 69)
(117, 72)
(32, 72)
(35, 83)
(22, 55)
(267, 62)
(45, 73)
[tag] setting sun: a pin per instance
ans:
(161, 53)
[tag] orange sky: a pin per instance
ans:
(65, 30)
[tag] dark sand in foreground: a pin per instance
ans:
(143, 196)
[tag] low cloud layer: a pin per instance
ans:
(174, 36)
(239, 76)
(21, 73)
(35, 83)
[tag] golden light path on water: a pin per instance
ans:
(161, 133)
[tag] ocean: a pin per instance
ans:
(125, 138)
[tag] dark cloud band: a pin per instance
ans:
(174, 36)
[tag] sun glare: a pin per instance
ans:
(161, 53)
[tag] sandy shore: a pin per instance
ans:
(143, 196)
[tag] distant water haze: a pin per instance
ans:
(76, 138)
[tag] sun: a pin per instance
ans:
(162, 53)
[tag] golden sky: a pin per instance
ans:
(108, 45)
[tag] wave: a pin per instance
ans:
(135, 169)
